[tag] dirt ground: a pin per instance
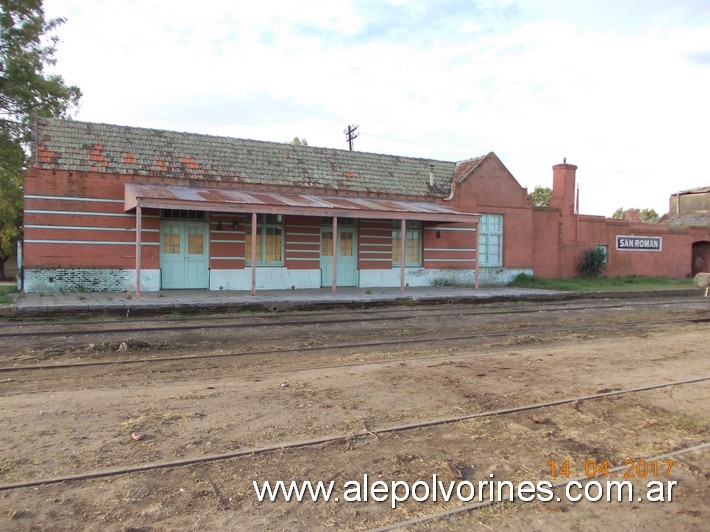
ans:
(69, 421)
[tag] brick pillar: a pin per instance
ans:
(564, 177)
(632, 215)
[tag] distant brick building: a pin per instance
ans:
(693, 201)
(115, 208)
(691, 209)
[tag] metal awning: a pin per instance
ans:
(241, 201)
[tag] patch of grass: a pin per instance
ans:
(5, 292)
(686, 423)
(151, 420)
(8, 466)
(102, 316)
(605, 284)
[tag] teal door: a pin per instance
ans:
(184, 257)
(346, 257)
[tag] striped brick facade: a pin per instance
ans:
(78, 237)
(80, 229)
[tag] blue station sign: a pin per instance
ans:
(638, 243)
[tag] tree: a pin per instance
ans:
(27, 48)
(541, 196)
(647, 216)
(12, 159)
(299, 142)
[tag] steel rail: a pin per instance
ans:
(377, 343)
(475, 506)
(412, 305)
(271, 321)
(334, 438)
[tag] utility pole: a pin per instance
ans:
(350, 135)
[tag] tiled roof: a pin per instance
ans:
(698, 190)
(82, 146)
(687, 220)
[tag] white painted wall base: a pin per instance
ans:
(279, 278)
(416, 277)
(266, 279)
(438, 277)
(54, 280)
(500, 276)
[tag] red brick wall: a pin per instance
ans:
(552, 240)
(561, 237)
(302, 242)
(374, 244)
(674, 261)
(546, 243)
(227, 241)
(548, 240)
(440, 242)
(118, 228)
(701, 257)
(492, 189)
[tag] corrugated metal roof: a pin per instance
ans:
(209, 199)
(82, 146)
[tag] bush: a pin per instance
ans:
(593, 263)
(525, 279)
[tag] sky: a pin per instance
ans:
(620, 88)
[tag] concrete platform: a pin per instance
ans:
(271, 300)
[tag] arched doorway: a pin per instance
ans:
(701, 257)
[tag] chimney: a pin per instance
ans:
(564, 178)
(431, 175)
(632, 215)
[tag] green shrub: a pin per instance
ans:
(525, 279)
(6, 293)
(593, 263)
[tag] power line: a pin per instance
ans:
(206, 119)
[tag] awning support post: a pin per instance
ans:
(335, 252)
(253, 253)
(139, 231)
(576, 211)
(402, 253)
(476, 226)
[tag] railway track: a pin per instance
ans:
(459, 510)
(440, 339)
(281, 446)
(249, 426)
(104, 327)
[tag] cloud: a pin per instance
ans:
(699, 58)
(617, 89)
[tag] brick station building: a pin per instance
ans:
(113, 208)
